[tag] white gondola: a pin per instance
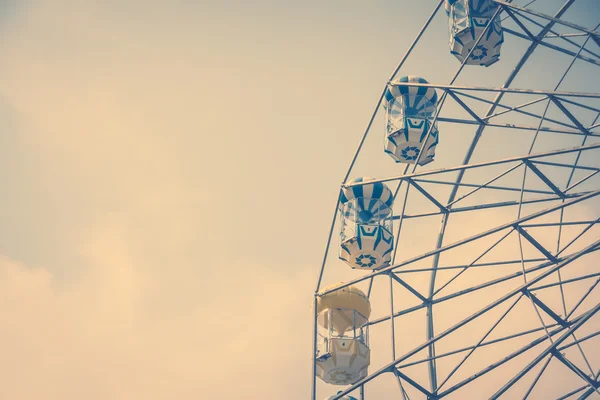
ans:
(468, 20)
(343, 354)
(366, 238)
(409, 119)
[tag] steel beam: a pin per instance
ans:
(536, 244)
(544, 178)
(517, 109)
(553, 47)
(409, 288)
(569, 115)
(516, 126)
(428, 196)
(480, 186)
(480, 164)
(545, 308)
(498, 90)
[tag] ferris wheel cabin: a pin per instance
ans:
(366, 238)
(468, 20)
(410, 128)
(343, 354)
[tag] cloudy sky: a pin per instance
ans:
(168, 171)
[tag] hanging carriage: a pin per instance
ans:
(343, 354)
(366, 237)
(468, 20)
(409, 121)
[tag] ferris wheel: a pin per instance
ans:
(462, 257)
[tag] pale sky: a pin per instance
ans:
(169, 170)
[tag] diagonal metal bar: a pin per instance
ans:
(562, 35)
(581, 340)
(537, 378)
(409, 288)
(586, 106)
(545, 308)
(490, 248)
(555, 164)
(569, 115)
(514, 108)
(565, 281)
(589, 390)
(520, 24)
(587, 228)
(481, 164)
(536, 244)
(466, 107)
(429, 197)
(575, 103)
(411, 382)
(582, 180)
(572, 392)
(400, 386)
(485, 185)
(564, 223)
(583, 297)
(544, 178)
(558, 355)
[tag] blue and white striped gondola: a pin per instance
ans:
(409, 115)
(468, 20)
(369, 202)
(366, 235)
